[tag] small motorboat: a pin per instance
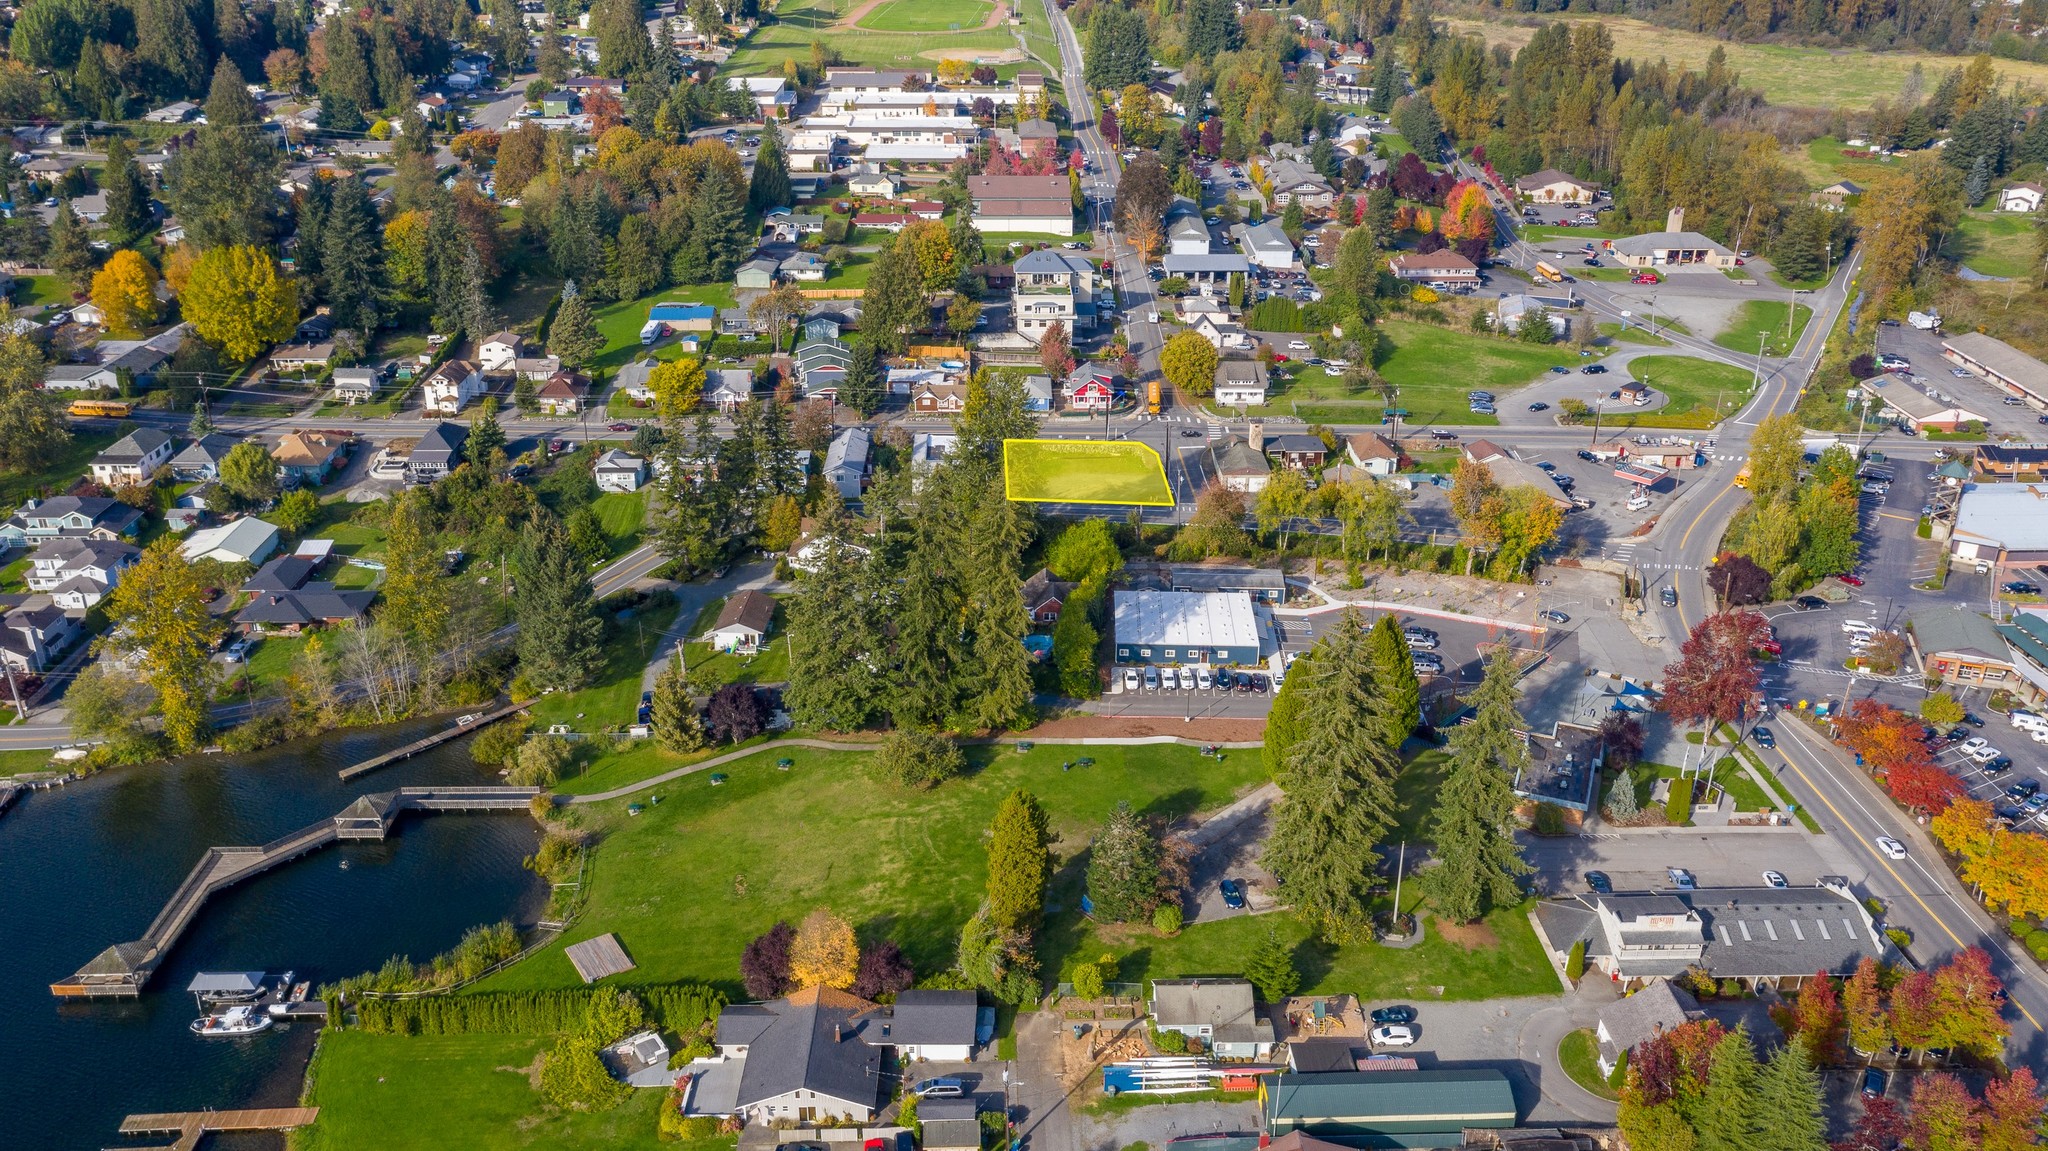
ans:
(240, 1020)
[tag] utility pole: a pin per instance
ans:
(14, 692)
(1761, 339)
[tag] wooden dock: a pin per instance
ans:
(191, 1126)
(463, 726)
(122, 969)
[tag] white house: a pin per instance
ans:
(1240, 383)
(874, 184)
(246, 540)
(132, 459)
(450, 387)
(1265, 245)
(933, 1025)
(1219, 1012)
(617, 471)
(498, 353)
(742, 623)
(2020, 198)
(79, 573)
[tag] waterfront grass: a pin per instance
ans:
(687, 882)
(430, 1092)
(1765, 316)
(610, 701)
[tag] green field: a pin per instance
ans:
(66, 468)
(1631, 334)
(1434, 367)
(1084, 472)
(401, 1093)
(800, 22)
(926, 15)
(1813, 77)
(1741, 334)
(610, 702)
(32, 291)
(1694, 386)
(1994, 244)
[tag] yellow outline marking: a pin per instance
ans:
(1125, 448)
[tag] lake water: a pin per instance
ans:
(89, 865)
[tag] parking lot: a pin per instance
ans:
(1930, 372)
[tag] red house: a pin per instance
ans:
(1090, 389)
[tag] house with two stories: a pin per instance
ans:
(1240, 383)
(77, 574)
(1053, 287)
(1265, 245)
(619, 471)
(1022, 204)
(35, 636)
(846, 461)
(562, 393)
(356, 385)
(132, 459)
(70, 517)
(1045, 596)
(450, 387)
(438, 451)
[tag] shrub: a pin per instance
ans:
(917, 758)
(1678, 805)
(1900, 937)
(676, 1126)
(1167, 919)
(1091, 979)
(574, 1078)
(1730, 989)
(1169, 1042)
(1549, 819)
(1619, 1075)
(1575, 963)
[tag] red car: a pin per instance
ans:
(1852, 581)
(1279, 359)
(619, 427)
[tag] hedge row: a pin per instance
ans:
(679, 1008)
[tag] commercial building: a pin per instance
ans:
(2002, 525)
(1443, 269)
(1957, 645)
(1172, 627)
(1672, 247)
(1022, 204)
(1386, 1108)
(1912, 408)
(1759, 936)
(1551, 186)
(2012, 370)
(2026, 643)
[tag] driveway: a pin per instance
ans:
(694, 597)
(1518, 1037)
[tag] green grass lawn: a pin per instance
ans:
(392, 403)
(611, 701)
(1580, 1056)
(1038, 39)
(800, 22)
(1694, 387)
(14, 577)
(1765, 316)
(1631, 334)
(1084, 471)
(998, 240)
(1993, 243)
(908, 865)
(853, 273)
(266, 669)
(353, 534)
(1534, 232)
(24, 761)
(66, 469)
(620, 323)
(1434, 368)
(400, 1093)
(622, 515)
(32, 291)
(926, 15)
(710, 668)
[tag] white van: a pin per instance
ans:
(1638, 503)
(1856, 627)
(1203, 679)
(2028, 722)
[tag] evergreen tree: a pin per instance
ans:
(95, 87)
(1270, 968)
(1019, 863)
(893, 303)
(770, 185)
(1387, 82)
(1284, 722)
(632, 260)
(623, 45)
(836, 648)
(1788, 1096)
(202, 423)
(574, 335)
(347, 75)
(862, 390)
(1119, 50)
(223, 185)
(718, 236)
(352, 256)
(676, 724)
(1400, 690)
(169, 54)
(2033, 145)
(1978, 183)
(1727, 1116)
(486, 435)
(1123, 868)
(128, 214)
(70, 250)
(1380, 207)
(1210, 28)
(1473, 821)
(561, 634)
(1339, 784)
(1621, 799)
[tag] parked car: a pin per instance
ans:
(2020, 587)
(1852, 581)
(1593, 370)
(1553, 617)
(1539, 406)
(1874, 1081)
(940, 1089)
(1681, 878)
(1809, 603)
(1131, 679)
(1396, 1035)
(1775, 879)
(1598, 882)
(1233, 894)
(1587, 456)
(1387, 1016)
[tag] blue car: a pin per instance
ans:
(1764, 738)
(1233, 894)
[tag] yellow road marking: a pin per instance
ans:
(1886, 864)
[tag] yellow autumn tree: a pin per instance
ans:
(240, 301)
(178, 265)
(678, 386)
(159, 611)
(824, 952)
(405, 252)
(125, 291)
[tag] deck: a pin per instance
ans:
(122, 969)
(463, 726)
(191, 1126)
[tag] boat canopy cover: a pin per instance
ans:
(233, 982)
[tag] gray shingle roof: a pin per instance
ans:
(944, 1018)
(1656, 1008)
(812, 1042)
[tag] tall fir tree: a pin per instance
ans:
(127, 215)
(70, 251)
(624, 47)
(1727, 1115)
(770, 186)
(352, 255)
(835, 641)
(1019, 863)
(718, 239)
(1123, 868)
(223, 185)
(1270, 968)
(1400, 689)
(573, 335)
(561, 634)
(676, 724)
(1472, 822)
(1339, 791)
(862, 390)
(1789, 1094)
(169, 52)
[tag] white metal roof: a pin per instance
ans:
(1186, 619)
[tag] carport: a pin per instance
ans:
(1648, 475)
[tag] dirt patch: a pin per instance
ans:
(1470, 936)
(1200, 730)
(976, 55)
(531, 1070)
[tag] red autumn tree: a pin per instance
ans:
(1923, 786)
(1106, 124)
(1738, 580)
(2012, 1112)
(605, 111)
(1055, 353)
(1915, 1012)
(1944, 1116)
(1966, 996)
(1880, 1128)
(1884, 736)
(1467, 214)
(1817, 1018)
(1716, 675)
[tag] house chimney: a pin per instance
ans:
(1674, 220)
